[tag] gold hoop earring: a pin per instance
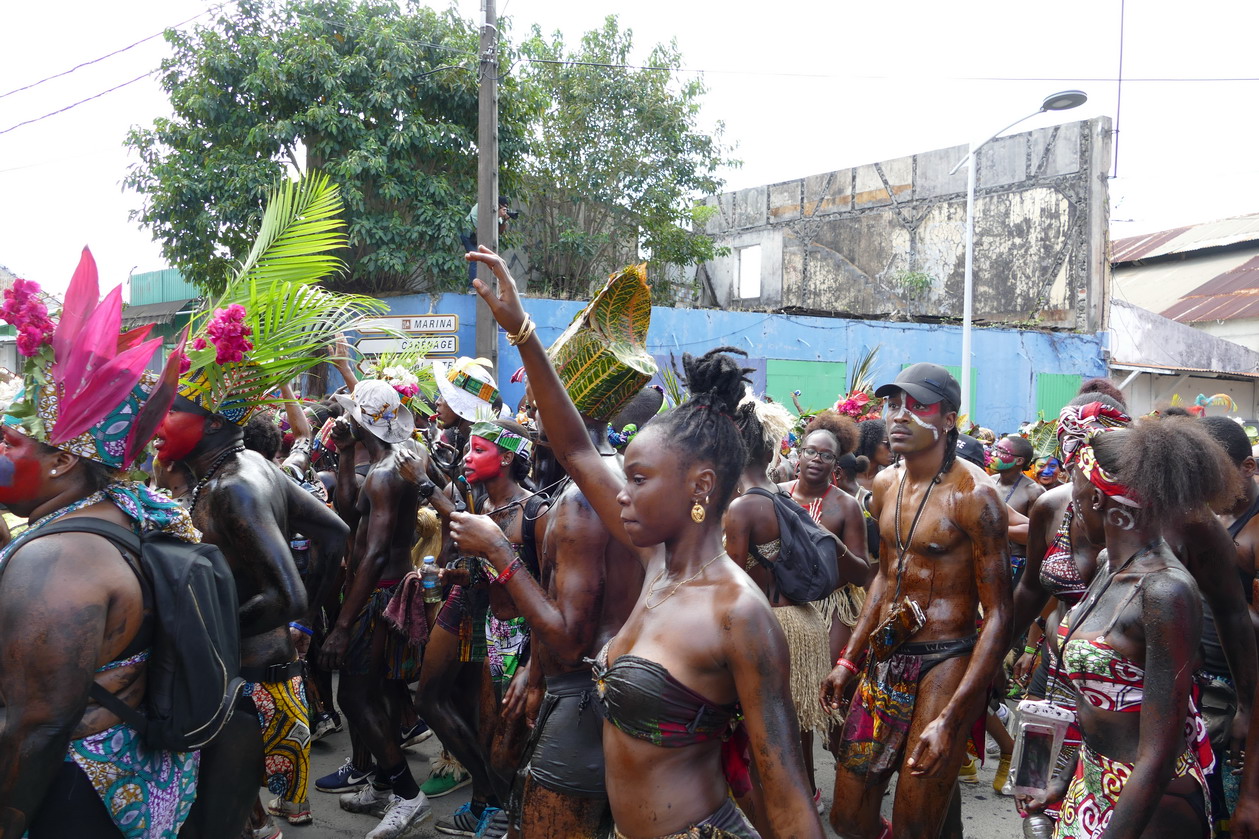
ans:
(698, 513)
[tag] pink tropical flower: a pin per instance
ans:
(23, 308)
(229, 334)
(199, 344)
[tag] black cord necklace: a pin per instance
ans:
(902, 547)
(214, 467)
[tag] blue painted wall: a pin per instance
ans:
(1008, 359)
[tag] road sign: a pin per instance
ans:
(437, 344)
(413, 324)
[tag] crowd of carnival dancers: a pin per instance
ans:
(588, 604)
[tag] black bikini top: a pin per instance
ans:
(642, 699)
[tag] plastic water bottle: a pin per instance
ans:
(432, 591)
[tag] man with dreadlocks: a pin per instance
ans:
(924, 673)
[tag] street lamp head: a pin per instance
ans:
(1064, 100)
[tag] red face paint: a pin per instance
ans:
(20, 467)
(178, 435)
(481, 463)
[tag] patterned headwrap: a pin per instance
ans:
(1086, 462)
(508, 441)
(1077, 423)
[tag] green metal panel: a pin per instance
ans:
(161, 287)
(820, 382)
(1053, 390)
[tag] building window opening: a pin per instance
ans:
(747, 272)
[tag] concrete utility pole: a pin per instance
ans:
(487, 178)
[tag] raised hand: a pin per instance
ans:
(505, 306)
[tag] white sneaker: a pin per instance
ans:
(402, 814)
(368, 800)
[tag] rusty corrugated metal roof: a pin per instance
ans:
(1231, 295)
(1195, 237)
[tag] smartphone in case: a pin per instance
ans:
(1040, 728)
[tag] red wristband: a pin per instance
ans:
(509, 571)
(848, 665)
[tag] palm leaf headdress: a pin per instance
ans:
(272, 322)
(602, 356)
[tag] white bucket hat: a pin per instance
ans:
(376, 406)
(467, 386)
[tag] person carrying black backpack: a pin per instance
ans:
(76, 612)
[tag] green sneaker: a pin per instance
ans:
(447, 776)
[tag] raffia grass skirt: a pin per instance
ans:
(808, 640)
(844, 603)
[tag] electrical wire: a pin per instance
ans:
(80, 102)
(103, 57)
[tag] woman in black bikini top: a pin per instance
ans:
(699, 619)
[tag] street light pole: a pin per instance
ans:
(1062, 101)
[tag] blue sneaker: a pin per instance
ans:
(345, 779)
(462, 822)
(494, 824)
(418, 733)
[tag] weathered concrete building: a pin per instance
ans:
(887, 240)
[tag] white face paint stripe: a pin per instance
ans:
(935, 432)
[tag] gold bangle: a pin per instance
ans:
(526, 330)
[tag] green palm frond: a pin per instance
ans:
(301, 228)
(861, 377)
(293, 322)
(414, 359)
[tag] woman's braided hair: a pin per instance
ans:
(703, 427)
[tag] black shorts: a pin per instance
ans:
(567, 754)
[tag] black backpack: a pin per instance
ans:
(807, 568)
(194, 668)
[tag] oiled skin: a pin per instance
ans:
(249, 509)
(714, 633)
(69, 603)
(956, 561)
(381, 517)
(571, 614)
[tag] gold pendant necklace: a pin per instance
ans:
(652, 588)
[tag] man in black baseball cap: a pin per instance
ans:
(922, 672)
(928, 383)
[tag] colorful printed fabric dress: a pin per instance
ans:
(1107, 680)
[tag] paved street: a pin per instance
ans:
(985, 815)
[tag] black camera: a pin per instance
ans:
(513, 214)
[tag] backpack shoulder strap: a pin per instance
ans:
(529, 534)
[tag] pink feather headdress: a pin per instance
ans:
(85, 388)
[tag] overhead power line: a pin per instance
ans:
(80, 102)
(103, 57)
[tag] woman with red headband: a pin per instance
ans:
(1129, 646)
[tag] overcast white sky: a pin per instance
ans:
(803, 86)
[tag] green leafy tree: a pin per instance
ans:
(617, 162)
(381, 98)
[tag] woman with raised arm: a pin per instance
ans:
(701, 646)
